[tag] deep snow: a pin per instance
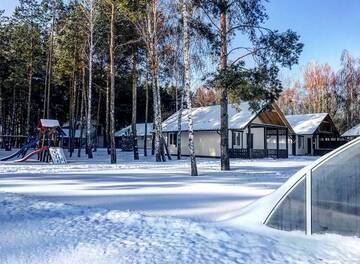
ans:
(37, 227)
(161, 189)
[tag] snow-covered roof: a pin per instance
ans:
(77, 133)
(140, 130)
(306, 124)
(352, 132)
(49, 123)
(208, 118)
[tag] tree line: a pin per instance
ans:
(93, 62)
(324, 90)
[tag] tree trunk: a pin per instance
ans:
(224, 132)
(107, 117)
(89, 111)
(30, 76)
(134, 103)
(28, 112)
(50, 67)
(159, 146)
(179, 128)
(72, 101)
(146, 108)
(82, 112)
(98, 120)
(112, 87)
(46, 84)
(186, 18)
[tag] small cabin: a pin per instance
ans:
(252, 133)
(123, 137)
(316, 134)
(352, 133)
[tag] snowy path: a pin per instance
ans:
(159, 189)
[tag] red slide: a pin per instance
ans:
(33, 153)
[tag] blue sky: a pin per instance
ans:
(326, 27)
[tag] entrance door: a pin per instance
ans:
(309, 145)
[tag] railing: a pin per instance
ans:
(258, 153)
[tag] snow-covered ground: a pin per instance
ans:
(145, 212)
(160, 189)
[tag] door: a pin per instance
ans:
(309, 145)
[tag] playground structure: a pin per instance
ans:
(46, 144)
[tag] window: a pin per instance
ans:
(290, 214)
(336, 194)
(300, 142)
(173, 139)
(238, 138)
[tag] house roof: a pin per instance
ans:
(140, 130)
(306, 124)
(208, 118)
(77, 133)
(352, 132)
(49, 123)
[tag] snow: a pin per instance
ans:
(161, 189)
(306, 124)
(353, 132)
(140, 130)
(208, 118)
(148, 212)
(49, 123)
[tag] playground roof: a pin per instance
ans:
(48, 123)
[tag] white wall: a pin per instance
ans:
(303, 150)
(207, 143)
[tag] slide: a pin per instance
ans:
(21, 151)
(33, 153)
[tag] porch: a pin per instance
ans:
(260, 141)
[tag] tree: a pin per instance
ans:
(348, 80)
(186, 9)
(134, 109)
(91, 14)
(268, 48)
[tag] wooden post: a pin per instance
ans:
(265, 141)
(249, 142)
(277, 142)
(287, 142)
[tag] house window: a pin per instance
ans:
(301, 142)
(238, 139)
(173, 139)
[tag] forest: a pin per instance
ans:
(324, 90)
(108, 63)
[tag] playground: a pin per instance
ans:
(45, 144)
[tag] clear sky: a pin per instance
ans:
(326, 27)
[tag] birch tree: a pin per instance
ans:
(186, 10)
(134, 108)
(91, 13)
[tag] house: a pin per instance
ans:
(316, 134)
(124, 135)
(352, 133)
(97, 136)
(252, 134)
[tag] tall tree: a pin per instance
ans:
(134, 108)
(268, 48)
(91, 14)
(186, 9)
